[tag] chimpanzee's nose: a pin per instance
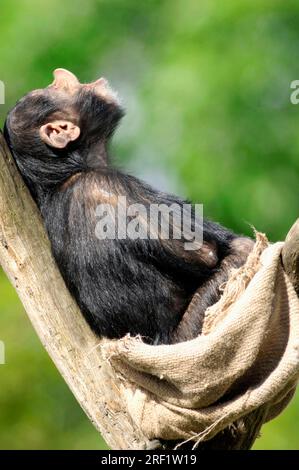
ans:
(65, 80)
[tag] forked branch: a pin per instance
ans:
(26, 258)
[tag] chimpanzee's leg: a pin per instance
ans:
(209, 293)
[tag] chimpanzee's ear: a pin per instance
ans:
(59, 133)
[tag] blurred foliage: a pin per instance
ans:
(206, 86)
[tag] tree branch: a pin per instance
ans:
(290, 255)
(26, 258)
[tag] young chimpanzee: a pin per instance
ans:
(59, 138)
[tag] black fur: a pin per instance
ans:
(122, 286)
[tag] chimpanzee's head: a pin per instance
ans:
(68, 123)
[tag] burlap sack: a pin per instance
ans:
(247, 357)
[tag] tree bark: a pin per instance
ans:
(26, 258)
(290, 255)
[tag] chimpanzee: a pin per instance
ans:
(59, 138)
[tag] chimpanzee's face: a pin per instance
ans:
(65, 113)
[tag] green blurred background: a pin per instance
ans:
(206, 86)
